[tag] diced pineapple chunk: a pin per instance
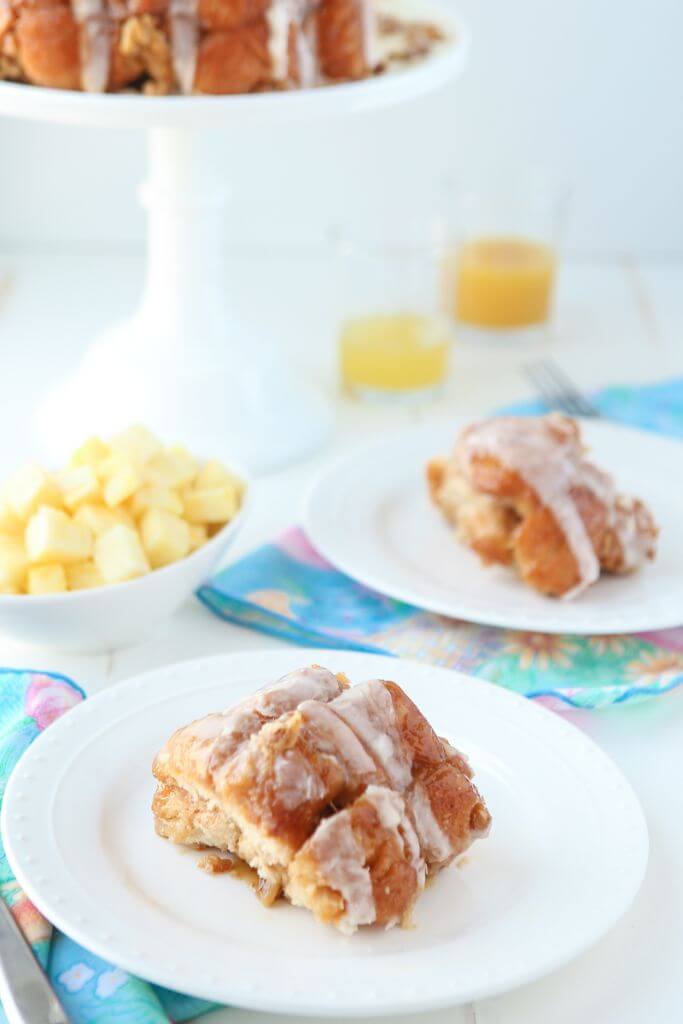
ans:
(77, 485)
(91, 453)
(214, 474)
(121, 484)
(165, 537)
(212, 504)
(83, 576)
(119, 555)
(198, 535)
(9, 520)
(174, 468)
(51, 536)
(30, 488)
(137, 444)
(155, 497)
(46, 579)
(12, 564)
(99, 518)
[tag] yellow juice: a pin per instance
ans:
(396, 352)
(503, 282)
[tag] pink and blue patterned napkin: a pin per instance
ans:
(91, 990)
(286, 588)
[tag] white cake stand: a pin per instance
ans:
(181, 363)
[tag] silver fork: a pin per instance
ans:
(557, 389)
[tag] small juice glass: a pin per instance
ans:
(500, 268)
(394, 338)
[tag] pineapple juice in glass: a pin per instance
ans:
(394, 339)
(500, 269)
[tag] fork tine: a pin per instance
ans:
(570, 389)
(565, 397)
(546, 387)
(557, 388)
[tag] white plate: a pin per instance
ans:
(564, 859)
(370, 515)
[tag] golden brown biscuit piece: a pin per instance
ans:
(342, 797)
(520, 491)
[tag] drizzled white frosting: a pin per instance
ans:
(368, 18)
(635, 536)
(391, 811)
(433, 840)
(184, 41)
(247, 717)
(95, 43)
(296, 781)
(307, 54)
(334, 737)
(369, 710)
(341, 860)
(546, 454)
(280, 17)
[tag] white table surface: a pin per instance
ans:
(618, 321)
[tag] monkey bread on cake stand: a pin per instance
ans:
(185, 70)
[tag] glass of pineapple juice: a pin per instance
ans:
(393, 336)
(500, 267)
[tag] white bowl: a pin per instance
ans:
(104, 618)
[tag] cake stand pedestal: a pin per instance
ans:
(181, 363)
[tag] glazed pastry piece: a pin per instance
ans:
(200, 46)
(343, 798)
(521, 492)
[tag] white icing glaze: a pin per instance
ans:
(634, 535)
(334, 737)
(267, 704)
(280, 18)
(434, 842)
(546, 453)
(391, 810)
(368, 709)
(207, 728)
(95, 43)
(307, 54)
(296, 783)
(184, 41)
(341, 861)
(369, 34)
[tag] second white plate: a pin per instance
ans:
(564, 859)
(370, 515)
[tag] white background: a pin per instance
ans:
(593, 89)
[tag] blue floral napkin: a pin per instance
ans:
(286, 588)
(91, 990)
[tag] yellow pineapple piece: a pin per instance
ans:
(211, 504)
(122, 483)
(9, 521)
(52, 536)
(91, 453)
(83, 576)
(165, 537)
(172, 468)
(99, 518)
(214, 474)
(13, 564)
(78, 484)
(155, 497)
(46, 579)
(29, 488)
(137, 444)
(119, 555)
(198, 535)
